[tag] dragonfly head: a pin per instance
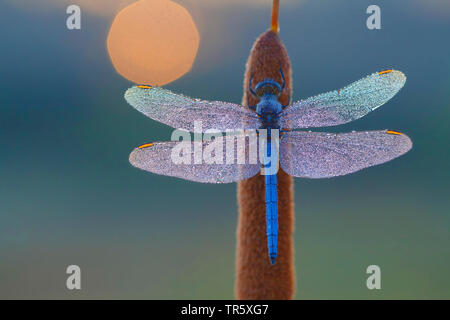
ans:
(268, 87)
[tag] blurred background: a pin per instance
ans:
(69, 196)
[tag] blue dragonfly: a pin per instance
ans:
(302, 154)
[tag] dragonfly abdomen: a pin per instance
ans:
(271, 207)
(271, 216)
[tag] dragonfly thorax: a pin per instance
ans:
(269, 109)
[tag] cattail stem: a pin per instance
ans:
(275, 27)
(256, 278)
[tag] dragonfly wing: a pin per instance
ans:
(180, 112)
(344, 105)
(201, 161)
(324, 155)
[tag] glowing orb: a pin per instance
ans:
(153, 42)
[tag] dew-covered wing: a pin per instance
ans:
(217, 161)
(344, 105)
(324, 155)
(180, 112)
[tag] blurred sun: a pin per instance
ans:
(153, 42)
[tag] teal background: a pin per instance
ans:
(69, 196)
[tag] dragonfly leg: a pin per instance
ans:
(289, 102)
(248, 97)
(282, 78)
(250, 86)
(249, 106)
(277, 116)
(283, 85)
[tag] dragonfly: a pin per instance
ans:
(299, 152)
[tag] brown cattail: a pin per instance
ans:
(256, 278)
